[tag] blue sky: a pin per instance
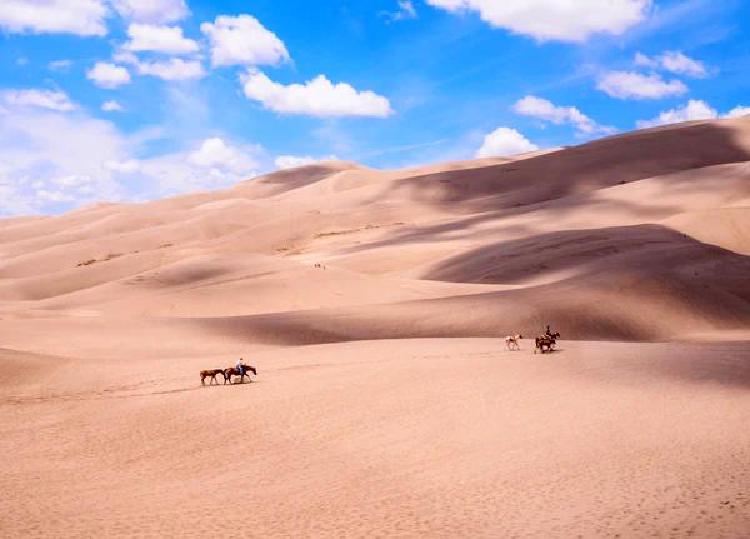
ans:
(126, 100)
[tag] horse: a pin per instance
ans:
(553, 336)
(547, 340)
(210, 373)
(232, 371)
(511, 341)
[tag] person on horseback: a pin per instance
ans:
(240, 367)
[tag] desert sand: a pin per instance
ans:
(375, 305)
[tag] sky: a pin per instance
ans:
(132, 100)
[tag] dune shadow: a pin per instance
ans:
(636, 248)
(601, 163)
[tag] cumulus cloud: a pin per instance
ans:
(545, 110)
(317, 97)
(694, 109)
(106, 75)
(214, 152)
(111, 106)
(172, 69)
(152, 11)
(212, 164)
(163, 39)
(738, 111)
(565, 20)
(44, 99)
(243, 40)
(631, 85)
(79, 17)
(52, 161)
(505, 141)
(294, 161)
(674, 62)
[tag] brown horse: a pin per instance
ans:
(210, 373)
(231, 371)
(548, 341)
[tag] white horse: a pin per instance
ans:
(511, 341)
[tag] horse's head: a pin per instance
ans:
(251, 369)
(556, 335)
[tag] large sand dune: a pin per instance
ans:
(374, 303)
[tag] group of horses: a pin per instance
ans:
(543, 343)
(227, 374)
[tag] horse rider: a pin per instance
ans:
(240, 367)
(548, 333)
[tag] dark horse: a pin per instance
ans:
(547, 341)
(212, 374)
(231, 371)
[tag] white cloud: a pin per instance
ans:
(45, 99)
(564, 20)
(406, 10)
(107, 75)
(631, 85)
(317, 97)
(131, 165)
(111, 106)
(172, 69)
(543, 109)
(243, 40)
(60, 65)
(674, 62)
(694, 109)
(505, 141)
(152, 11)
(214, 152)
(80, 17)
(738, 111)
(52, 161)
(642, 60)
(164, 39)
(294, 161)
(214, 163)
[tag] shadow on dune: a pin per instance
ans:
(282, 181)
(635, 283)
(601, 163)
(638, 249)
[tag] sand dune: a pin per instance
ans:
(374, 304)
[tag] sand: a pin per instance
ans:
(374, 304)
